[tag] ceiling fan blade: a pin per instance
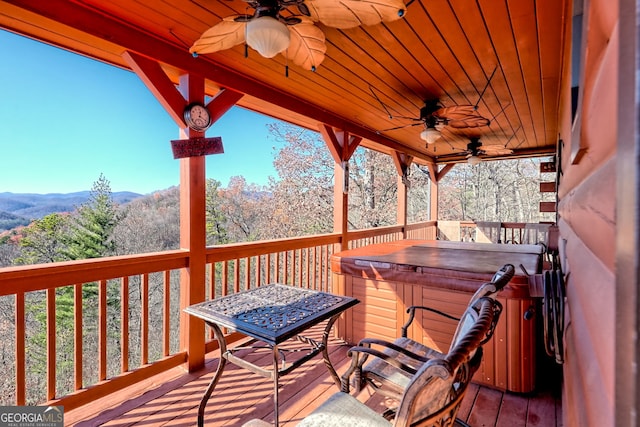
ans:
(402, 127)
(353, 13)
(462, 116)
(224, 35)
(307, 46)
(469, 122)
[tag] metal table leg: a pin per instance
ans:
(325, 349)
(276, 376)
(221, 363)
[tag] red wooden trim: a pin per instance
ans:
(401, 161)
(444, 171)
(222, 102)
(144, 320)
(124, 323)
(106, 388)
(102, 330)
(77, 336)
(51, 343)
(236, 275)
(331, 140)
(43, 276)
(258, 270)
(225, 278)
(351, 142)
(247, 273)
(157, 81)
(20, 350)
(166, 313)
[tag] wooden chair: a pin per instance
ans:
(392, 365)
(432, 396)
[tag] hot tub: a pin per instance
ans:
(389, 277)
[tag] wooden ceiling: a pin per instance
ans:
(441, 49)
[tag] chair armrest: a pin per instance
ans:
(412, 312)
(359, 354)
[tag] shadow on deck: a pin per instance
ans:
(172, 398)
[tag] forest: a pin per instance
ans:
(297, 202)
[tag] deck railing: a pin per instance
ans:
(118, 313)
(73, 332)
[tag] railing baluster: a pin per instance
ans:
(124, 323)
(247, 272)
(102, 330)
(225, 278)
(77, 336)
(166, 313)
(212, 281)
(144, 317)
(51, 343)
(236, 276)
(258, 270)
(20, 350)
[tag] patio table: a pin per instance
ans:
(272, 314)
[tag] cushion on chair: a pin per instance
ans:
(342, 410)
(256, 423)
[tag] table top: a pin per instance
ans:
(273, 313)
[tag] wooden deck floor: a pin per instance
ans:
(172, 399)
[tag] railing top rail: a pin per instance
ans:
(37, 277)
(248, 249)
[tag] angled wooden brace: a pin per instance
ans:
(341, 144)
(165, 91)
(402, 161)
(438, 175)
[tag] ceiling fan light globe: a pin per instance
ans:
(474, 160)
(268, 36)
(430, 135)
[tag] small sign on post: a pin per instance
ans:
(194, 147)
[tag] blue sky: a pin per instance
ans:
(65, 119)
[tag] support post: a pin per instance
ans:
(192, 235)
(341, 145)
(402, 163)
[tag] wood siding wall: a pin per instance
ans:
(588, 223)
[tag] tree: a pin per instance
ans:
(91, 228)
(302, 197)
(43, 240)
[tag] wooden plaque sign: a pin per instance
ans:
(193, 147)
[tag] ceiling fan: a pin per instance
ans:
(288, 27)
(434, 116)
(475, 150)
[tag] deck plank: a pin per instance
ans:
(172, 399)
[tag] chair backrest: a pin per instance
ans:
(499, 280)
(439, 383)
(487, 290)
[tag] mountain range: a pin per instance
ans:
(22, 208)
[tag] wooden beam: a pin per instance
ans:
(133, 40)
(157, 81)
(341, 143)
(402, 162)
(444, 171)
(222, 102)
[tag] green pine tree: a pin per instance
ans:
(91, 229)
